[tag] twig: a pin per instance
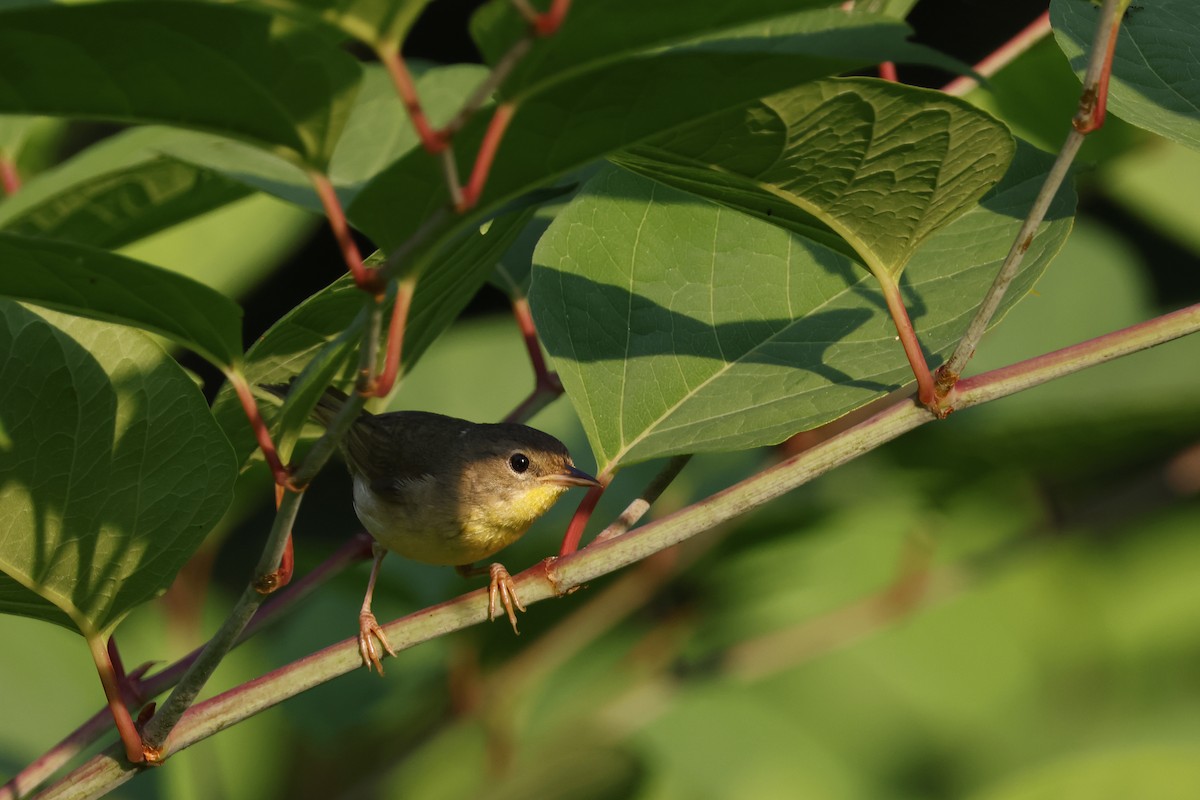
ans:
(1002, 56)
(250, 407)
(395, 342)
(365, 278)
(1090, 109)
(198, 673)
(546, 384)
(638, 508)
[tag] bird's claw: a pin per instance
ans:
(501, 586)
(368, 632)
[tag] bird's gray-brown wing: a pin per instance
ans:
(402, 453)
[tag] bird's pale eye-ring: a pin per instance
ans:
(518, 462)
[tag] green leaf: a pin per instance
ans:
(1155, 84)
(317, 328)
(681, 326)
(380, 23)
(601, 84)
(115, 192)
(375, 135)
(194, 65)
(111, 473)
(880, 164)
(1035, 95)
(1161, 771)
(97, 284)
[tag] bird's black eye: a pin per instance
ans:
(519, 462)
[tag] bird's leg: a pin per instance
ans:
(500, 586)
(368, 626)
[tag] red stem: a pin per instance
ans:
(1003, 55)
(908, 338)
(10, 178)
(250, 407)
(366, 279)
(887, 71)
(395, 338)
(1092, 116)
(543, 377)
(431, 140)
(546, 24)
(487, 154)
(111, 682)
(570, 542)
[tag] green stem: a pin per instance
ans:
(189, 686)
(949, 374)
(555, 577)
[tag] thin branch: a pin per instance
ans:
(638, 508)
(395, 342)
(365, 278)
(546, 385)
(250, 407)
(450, 175)
(198, 673)
(486, 155)
(1002, 56)
(402, 80)
(1099, 65)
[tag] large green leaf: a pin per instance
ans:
(111, 470)
(195, 65)
(380, 23)
(115, 192)
(98, 284)
(681, 326)
(327, 326)
(1155, 77)
(602, 83)
(880, 164)
(375, 135)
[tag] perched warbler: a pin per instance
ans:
(446, 491)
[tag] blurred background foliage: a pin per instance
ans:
(1001, 607)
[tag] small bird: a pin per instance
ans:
(446, 491)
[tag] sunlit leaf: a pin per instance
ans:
(111, 473)
(95, 283)
(879, 164)
(195, 65)
(681, 326)
(1155, 78)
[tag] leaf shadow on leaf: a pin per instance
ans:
(656, 330)
(75, 450)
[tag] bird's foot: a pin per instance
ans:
(368, 632)
(502, 587)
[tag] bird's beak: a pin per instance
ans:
(571, 477)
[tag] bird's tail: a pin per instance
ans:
(327, 407)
